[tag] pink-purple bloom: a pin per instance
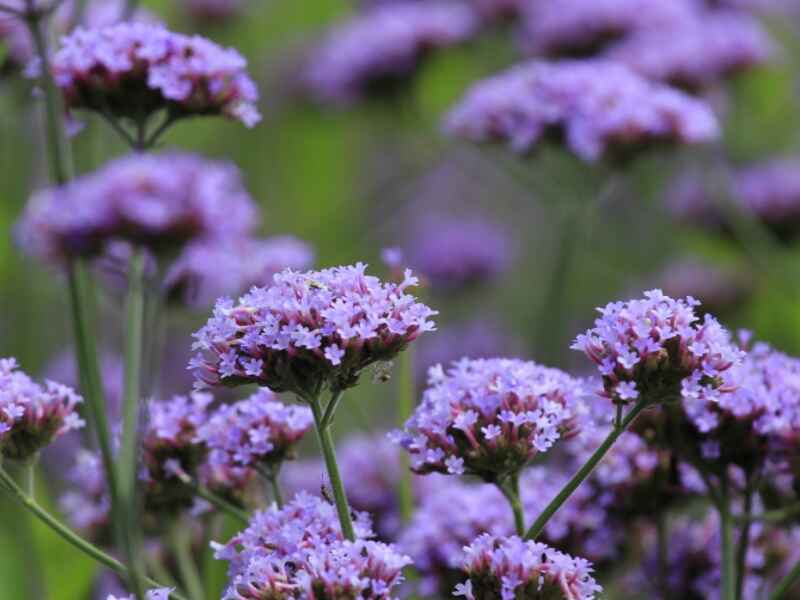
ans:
(309, 329)
(489, 417)
(132, 70)
(157, 201)
(598, 106)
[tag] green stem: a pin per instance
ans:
(330, 409)
(190, 577)
(584, 471)
(65, 533)
(510, 490)
(786, 584)
(221, 503)
(276, 489)
(744, 542)
(405, 407)
(728, 567)
(329, 453)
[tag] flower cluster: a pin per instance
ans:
(308, 329)
(657, 349)
(597, 105)
(509, 567)
(489, 417)
(158, 201)
(258, 431)
(33, 415)
(209, 269)
(87, 503)
(383, 46)
(133, 70)
(719, 289)
(298, 552)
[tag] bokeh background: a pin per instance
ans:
(352, 182)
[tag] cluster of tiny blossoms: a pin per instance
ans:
(510, 568)
(32, 415)
(299, 552)
(308, 329)
(159, 201)
(133, 70)
(257, 431)
(657, 349)
(597, 105)
(489, 417)
(159, 594)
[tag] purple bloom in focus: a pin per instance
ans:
(132, 70)
(383, 46)
(489, 417)
(307, 329)
(509, 567)
(598, 106)
(209, 269)
(659, 345)
(33, 415)
(159, 201)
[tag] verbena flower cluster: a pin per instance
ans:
(657, 349)
(133, 70)
(381, 46)
(209, 269)
(308, 329)
(598, 106)
(510, 568)
(299, 552)
(33, 415)
(489, 417)
(158, 201)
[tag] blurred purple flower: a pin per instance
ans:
(718, 288)
(598, 106)
(87, 502)
(214, 11)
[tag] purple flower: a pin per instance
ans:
(719, 288)
(132, 70)
(308, 329)
(214, 11)
(509, 567)
(158, 201)
(159, 594)
(382, 46)
(87, 502)
(660, 345)
(210, 269)
(533, 406)
(33, 415)
(771, 190)
(597, 105)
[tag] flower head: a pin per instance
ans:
(159, 201)
(509, 567)
(132, 70)
(309, 329)
(489, 417)
(597, 106)
(657, 349)
(33, 415)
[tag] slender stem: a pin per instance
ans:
(329, 453)
(744, 541)
(65, 533)
(786, 584)
(276, 489)
(510, 489)
(330, 409)
(190, 577)
(728, 567)
(405, 407)
(584, 471)
(773, 516)
(24, 473)
(220, 503)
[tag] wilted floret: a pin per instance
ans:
(157, 201)
(210, 269)
(656, 349)
(132, 70)
(33, 415)
(489, 417)
(510, 568)
(383, 46)
(598, 106)
(309, 329)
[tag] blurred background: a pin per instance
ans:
(515, 251)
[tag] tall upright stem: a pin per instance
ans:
(329, 453)
(190, 577)
(744, 541)
(510, 489)
(584, 471)
(728, 568)
(786, 584)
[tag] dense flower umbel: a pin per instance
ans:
(159, 201)
(309, 329)
(210, 269)
(133, 70)
(382, 47)
(657, 349)
(259, 431)
(598, 106)
(33, 415)
(509, 568)
(298, 553)
(489, 417)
